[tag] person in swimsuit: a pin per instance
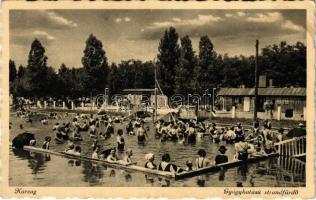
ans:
(46, 142)
(130, 129)
(221, 158)
(150, 161)
(241, 148)
(112, 158)
(141, 134)
(128, 157)
(189, 165)
(230, 135)
(93, 130)
(70, 149)
(77, 151)
(172, 134)
(202, 161)
(95, 154)
(120, 140)
(239, 131)
(166, 166)
(76, 134)
(191, 134)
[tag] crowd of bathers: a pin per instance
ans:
(252, 142)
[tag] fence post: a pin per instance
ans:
(54, 104)
(64, 105)
(233, 112)
(45, 104)
(82, 105)
(72, 105)
(279, 114)
(39, 104)
(93, 105)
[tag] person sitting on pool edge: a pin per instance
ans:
(221, 158)
(166, 166)
(202, 161)
(150, 161)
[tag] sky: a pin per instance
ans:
(135, 34)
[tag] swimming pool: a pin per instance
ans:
(36, 169)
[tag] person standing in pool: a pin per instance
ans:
(120, 140)
(202, 161)
(166, 166)
(46, 142)
(191, 134)
(221, 158)
(141, 134)
(241, 148)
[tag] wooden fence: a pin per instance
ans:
(295, 147)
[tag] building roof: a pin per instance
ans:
(298, 92)
(140, 91)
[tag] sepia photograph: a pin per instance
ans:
(155, 97)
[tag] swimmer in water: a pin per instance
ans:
(166, 166)
(112, 158)
(150, 161)
(70, 149)
(77, 151)
(128, 157)
(202, 161)
(141, 134)
(95, 154)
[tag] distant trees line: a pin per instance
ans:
(179, 69)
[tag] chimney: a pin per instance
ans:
(262, 81)
(270, 82)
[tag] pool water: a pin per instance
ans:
(37, 169)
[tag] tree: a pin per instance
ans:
(12, 71)
(113, 80)
(21, 72)
(285, 64)
(168, 60)
(206, 74)
(185, 69)
(94, 62)
(18, 88)
(37, 74)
